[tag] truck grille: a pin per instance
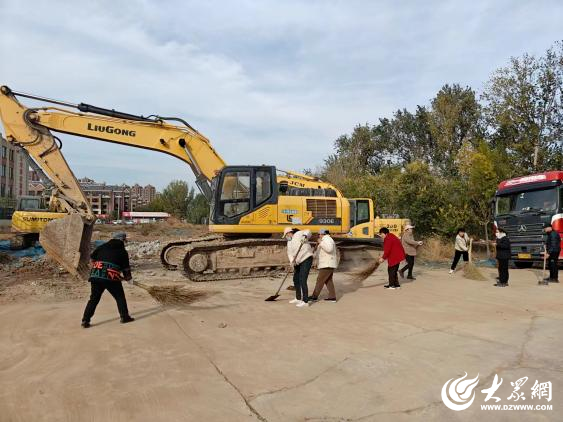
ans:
(533, 233)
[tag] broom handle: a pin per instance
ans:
(544, 262)
(289, 269)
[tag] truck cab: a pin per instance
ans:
(522, 206)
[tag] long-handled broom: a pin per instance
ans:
(542, 282)
(171, 295)
(277, 294)
(470, 270)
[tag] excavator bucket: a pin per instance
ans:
(67, 241)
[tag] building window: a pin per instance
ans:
(4, 151)
(11, 155)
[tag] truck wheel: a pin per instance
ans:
(523, 264)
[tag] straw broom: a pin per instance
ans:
(470, 270)
(171, 295)
(364, 273)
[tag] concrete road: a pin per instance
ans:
(376, 355)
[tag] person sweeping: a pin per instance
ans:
(300, 255)
(503, 256)
(327, 264)
(110, 265)
(394, 253)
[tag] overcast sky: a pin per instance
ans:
(269, 82)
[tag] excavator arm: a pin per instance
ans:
(31, 129)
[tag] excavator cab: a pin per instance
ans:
(239, 190)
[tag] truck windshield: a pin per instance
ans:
(536, 200)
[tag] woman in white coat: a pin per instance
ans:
(327, 264)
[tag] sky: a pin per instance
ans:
(268, 82)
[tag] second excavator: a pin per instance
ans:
(249, 205)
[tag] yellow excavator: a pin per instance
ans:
(249, 205)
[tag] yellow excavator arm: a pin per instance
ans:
(68, 239)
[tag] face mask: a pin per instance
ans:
(499, 235)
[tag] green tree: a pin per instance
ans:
(524, 110)
(453, 119)
(405, 138)
(419, 195)
(198, 210)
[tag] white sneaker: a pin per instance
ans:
(303, 304)
(293, 301)
(451, 271)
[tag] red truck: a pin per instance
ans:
(522, 206)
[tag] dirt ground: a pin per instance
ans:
(374, 355)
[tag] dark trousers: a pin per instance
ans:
(503, 271)
(552, 265)
(409, 266)
(393, 278)
(114, 288)
(325, 278)
(300, 275)
(459, 254)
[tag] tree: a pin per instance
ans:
(419, 196)
(198, 210)
(524, 110)
(482, 167)
(405, 138)
(453, 119)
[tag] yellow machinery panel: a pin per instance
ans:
(33, 221)
(395, 225)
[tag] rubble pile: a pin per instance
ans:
(141, 250)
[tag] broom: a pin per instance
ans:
(470, 270)
(171, 295)
(364, 273)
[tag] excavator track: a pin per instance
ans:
(172, 254)
(252, 258)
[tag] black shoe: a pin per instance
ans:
(402, 273)
(127, 319)
(387, 286)
(411, 278)
(553, 280)
(329, 299)
(498, 285)
(313, 298)
(398, 286)
(85, 324)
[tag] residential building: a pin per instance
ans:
(14, 166)
(142, 196)
(107, 201)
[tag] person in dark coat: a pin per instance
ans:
(553, 249)
(110, 265)
(503, 256)
(394, 253)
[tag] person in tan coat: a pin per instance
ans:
(328, 262)
(410, 246)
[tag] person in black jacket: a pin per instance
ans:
(110, 265)
(553, 249)
(503, 256)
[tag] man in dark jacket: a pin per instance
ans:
(503, 256)
(553, 249)
(394, 253)
(110, 265)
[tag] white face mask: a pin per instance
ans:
(499, 235)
